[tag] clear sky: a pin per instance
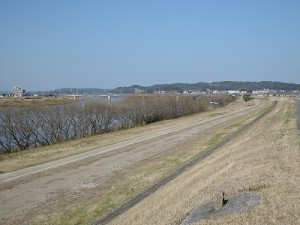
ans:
(49, 44)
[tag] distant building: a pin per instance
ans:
(233, 92)
(138, 91)
(18, 91)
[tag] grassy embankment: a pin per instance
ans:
(139, 179)
(264, 159)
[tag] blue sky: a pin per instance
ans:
(49, 44)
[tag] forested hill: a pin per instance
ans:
(223, 85)
(180, 87)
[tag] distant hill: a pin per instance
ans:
(180, 87)
(202, 86)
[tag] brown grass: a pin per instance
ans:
(33, 101)
(265, 159)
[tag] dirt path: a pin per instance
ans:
(29, 194)
(265, 160)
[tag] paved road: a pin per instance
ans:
(298, 111)
(25, 192)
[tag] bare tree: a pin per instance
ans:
(6, 140)
(23, 128)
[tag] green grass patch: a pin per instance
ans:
(290, 114)
(257, 187)
(280, 165)
(216, 138)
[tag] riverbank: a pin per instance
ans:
(24, 128)
(35, 156)
(81, 192)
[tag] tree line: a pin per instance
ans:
(22, 128)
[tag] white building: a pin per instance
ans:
(18, 91)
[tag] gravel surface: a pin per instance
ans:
(239, 203)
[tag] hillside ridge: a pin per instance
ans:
(181, 87)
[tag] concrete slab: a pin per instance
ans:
(238, 203)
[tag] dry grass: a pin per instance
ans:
(265, 159)
(36, 156)
(33, 101)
